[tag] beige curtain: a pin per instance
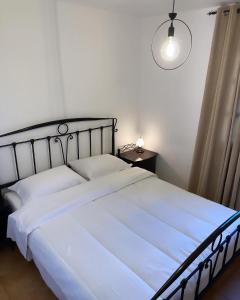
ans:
(216, 165)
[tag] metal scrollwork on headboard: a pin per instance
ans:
(63, 128)
(63, 136)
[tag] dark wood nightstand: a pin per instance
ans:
(145, 160)
(5, 210)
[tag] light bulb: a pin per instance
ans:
(140, 142)
(170, 49)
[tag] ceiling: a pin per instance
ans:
(153, 7)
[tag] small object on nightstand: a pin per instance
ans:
(140, 145)
(146, 159)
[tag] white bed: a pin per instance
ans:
(120, 236)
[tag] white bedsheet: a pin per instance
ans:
(117, 237)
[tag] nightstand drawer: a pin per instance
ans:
(148, 164)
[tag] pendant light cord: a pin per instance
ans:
(173, 6)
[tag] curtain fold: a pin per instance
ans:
(216, 164)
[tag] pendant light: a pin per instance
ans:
(172, 43)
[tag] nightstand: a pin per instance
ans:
(5, 210)
(145, 160)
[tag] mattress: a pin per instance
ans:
(117, 237)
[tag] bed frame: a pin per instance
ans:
(62, 136)
(216, 243)
(219, 251)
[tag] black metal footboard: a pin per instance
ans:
(219, 254)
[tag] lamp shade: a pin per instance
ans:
(140, 142)
(172, 42)
(170, 50)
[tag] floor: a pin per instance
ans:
(20, 280)
(226, 286)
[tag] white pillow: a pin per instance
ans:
(96, 166)
(46, 182)
(12, 199)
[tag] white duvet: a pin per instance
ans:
(118, 237)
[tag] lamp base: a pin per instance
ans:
(139, 150)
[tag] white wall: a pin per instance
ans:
(100, 62)
(25, 87)
(59, 58)
(170, 101)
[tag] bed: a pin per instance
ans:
(125, 235)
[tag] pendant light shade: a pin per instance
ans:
(172, 43)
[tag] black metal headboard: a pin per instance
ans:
(62, 136)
